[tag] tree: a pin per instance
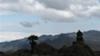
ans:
(32, 42)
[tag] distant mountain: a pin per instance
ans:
(14, 45)
(92, 38)
(60, 40)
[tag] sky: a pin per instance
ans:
(21, 18)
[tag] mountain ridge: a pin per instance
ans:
(92, 38)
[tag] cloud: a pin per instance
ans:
(54, 10)
(29, 24)
(9, 36)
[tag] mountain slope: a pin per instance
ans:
(92, 38)
(14, 45)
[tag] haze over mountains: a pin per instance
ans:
(92, 38)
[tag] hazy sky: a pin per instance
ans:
(20, 18)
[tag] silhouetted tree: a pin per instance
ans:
(32, 42)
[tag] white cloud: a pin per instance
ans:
(8, 36)
(54, 10)
(55, 15)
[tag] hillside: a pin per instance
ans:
(92, 38)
